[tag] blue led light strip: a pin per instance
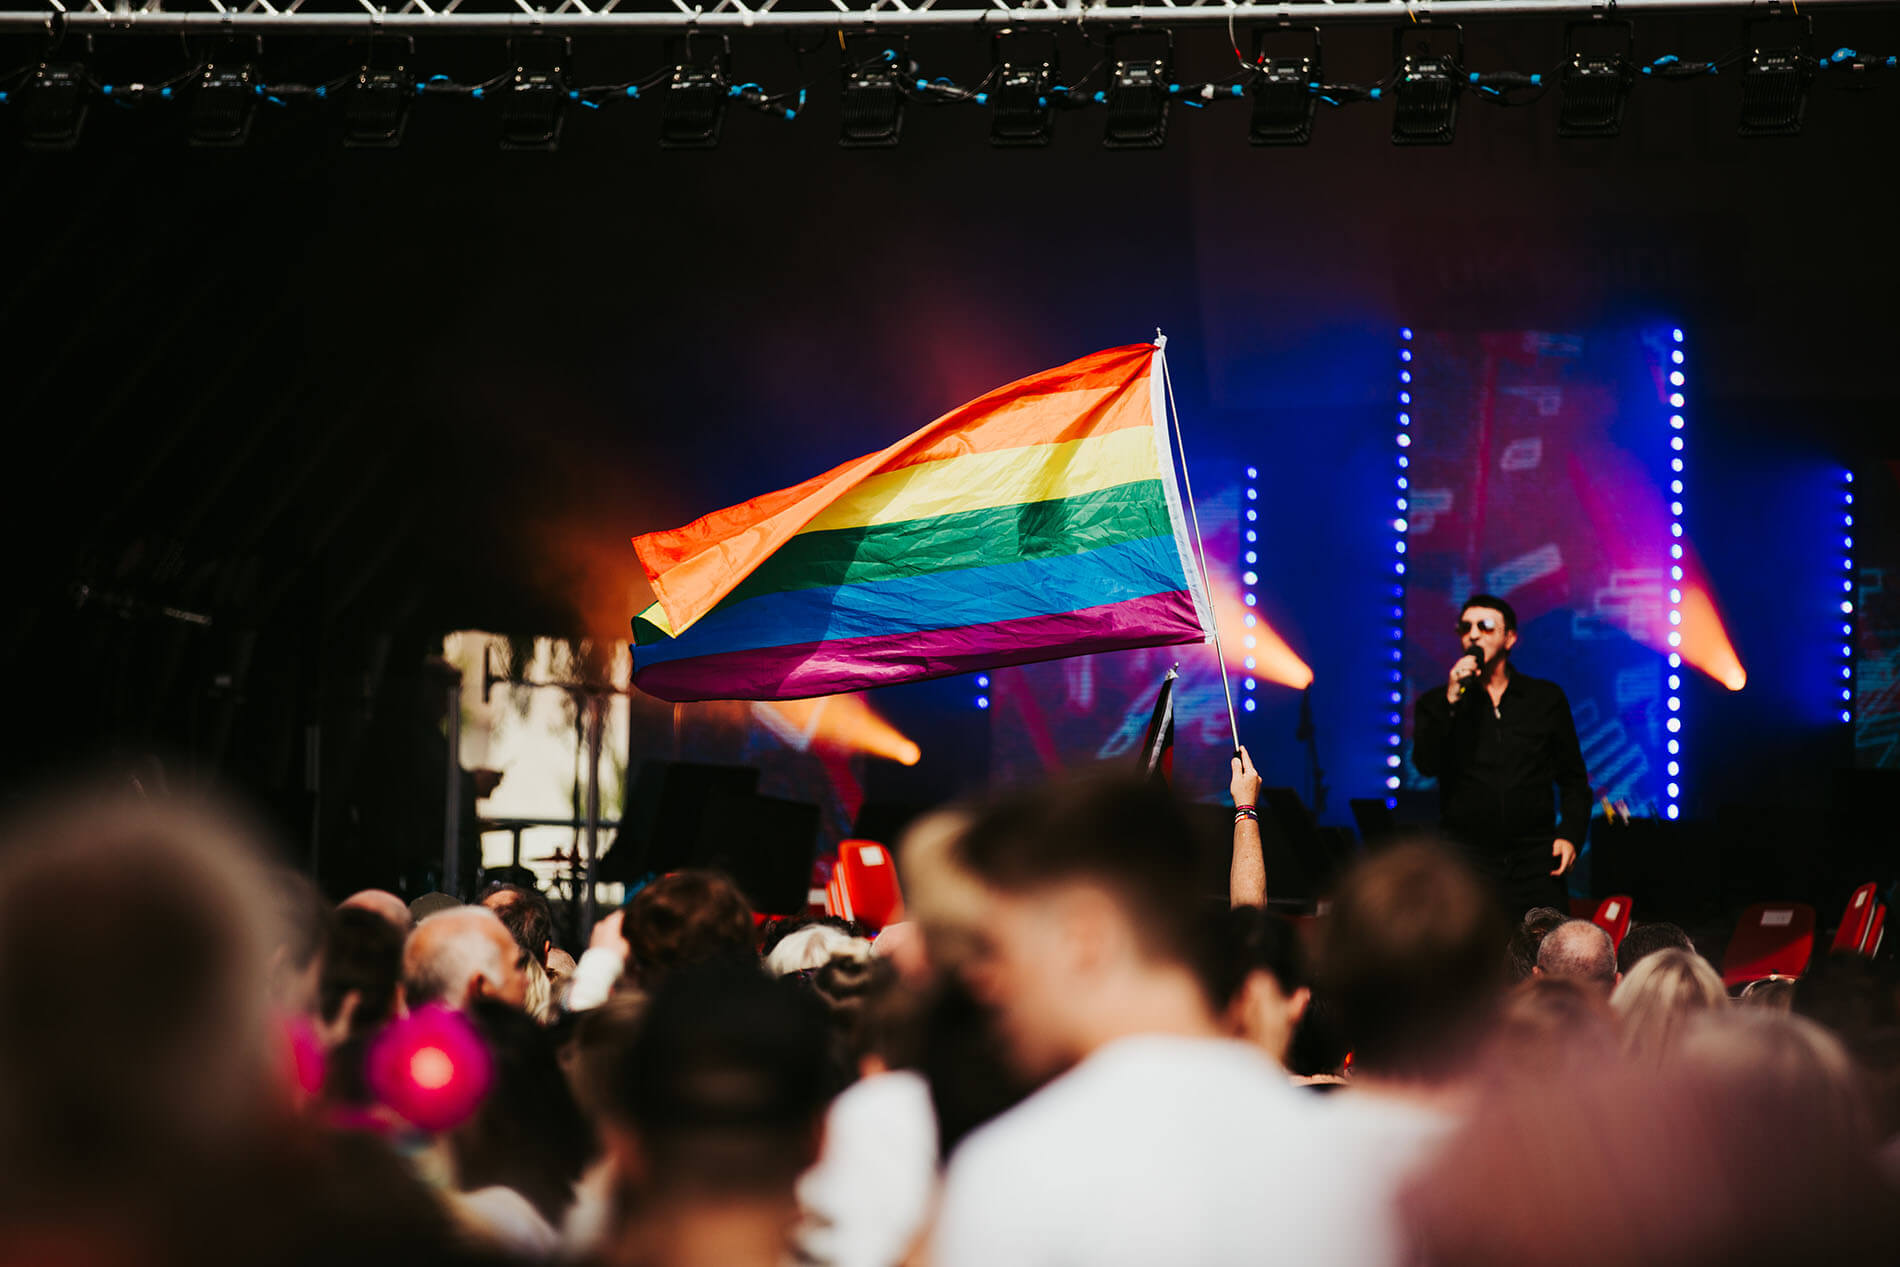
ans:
(1395, 714)
(1672, 791)
(982, 690)
(1847, 597)
(1249, 579)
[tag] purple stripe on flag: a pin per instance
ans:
(854, 664)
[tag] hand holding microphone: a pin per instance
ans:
(1464, 673)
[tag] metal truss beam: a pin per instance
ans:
(470, 17)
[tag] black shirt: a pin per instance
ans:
(1497, 768)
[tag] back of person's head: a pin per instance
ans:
(301, 915)
(1775, 994)
(1123, 836)
(1531, 930)
(527, 916)
(1549, 1025)
(362, 968)
(725, 1083)
(1259, 977)
(456, 953)
(1410, 957)
(1788, 1058)
(1656, 1001)
(1740, 1150)
(681, 919)
(134, 1040)
(1581, 951)
(1858, 1000)
(385, 904)
(1643, 940)
(528, 1134)
(811, 946)
(1253, 939)
(844, 984)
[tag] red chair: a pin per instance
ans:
(1773, 939)
(864, 885)
(1860, 925)
(1613, 917)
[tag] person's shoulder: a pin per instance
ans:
(1531, 683)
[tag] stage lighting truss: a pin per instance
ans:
(1285, 89)
(1598, 70)
(225, 99)
(54, 102)
(693, 106)
(1776, 77)
(376, 103)
(871, 92)
(1426, 83)
(535, 99)
(1140, 74)
(1023, 72)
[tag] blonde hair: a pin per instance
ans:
(1659, 996)
(539, 1002)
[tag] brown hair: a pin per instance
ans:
(684, 918)
(1411, 957)
(1126, 835)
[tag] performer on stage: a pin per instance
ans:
(1500, 742)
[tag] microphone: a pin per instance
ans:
(1465, 685)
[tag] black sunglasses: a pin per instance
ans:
(1486, 624)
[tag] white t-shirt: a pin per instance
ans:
(503, 1219)
(1361, 1148)
(1154, 1150)
(867, 1198)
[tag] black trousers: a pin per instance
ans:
(1519, 872)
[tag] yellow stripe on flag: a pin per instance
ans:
(1007, 477)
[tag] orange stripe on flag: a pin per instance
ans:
(693, 567)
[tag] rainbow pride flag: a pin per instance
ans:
(1039, 521)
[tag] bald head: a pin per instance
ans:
(1580, 951)
(456, 956)
(381, 902)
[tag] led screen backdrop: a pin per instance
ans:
(1537, 466)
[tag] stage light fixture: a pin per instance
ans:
(1425, 95)
(376, 104)
(1285, 91)
(1596, 80)
(1023, 69)
(1137, 95)
(871, 96)
(535, 100)
(1775, 81)
(53, 106)
(693, 107)
(224, 103)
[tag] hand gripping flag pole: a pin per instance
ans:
(1200, 547)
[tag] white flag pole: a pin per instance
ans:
(1200, 547)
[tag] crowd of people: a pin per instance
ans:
(1066, 1054)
